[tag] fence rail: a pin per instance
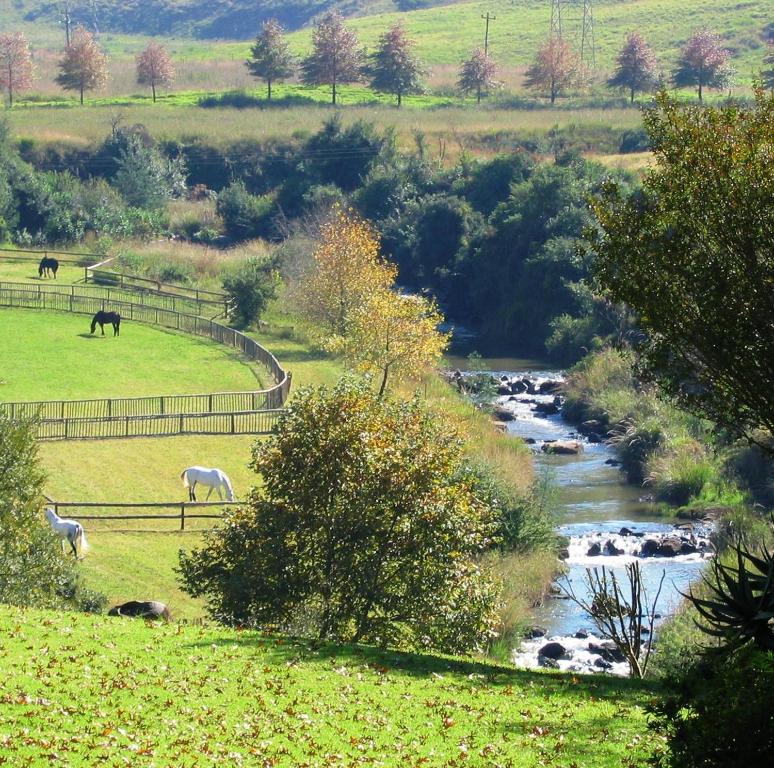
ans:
(106, 414)
(106, 295)
(259, 422)
(182, 509)
(64, 257)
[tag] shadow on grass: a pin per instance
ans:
(289, 650)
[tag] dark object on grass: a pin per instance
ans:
(144, 609)
(48, 267)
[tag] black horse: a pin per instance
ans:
(48, 267)
(103, 317)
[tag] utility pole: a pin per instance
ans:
(487, 18)
(573, 20)
(66, 21)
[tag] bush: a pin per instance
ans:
(718, 713)
(33, 570)
(367, 530)
(245, 216)
(679, 473)
(249, 286)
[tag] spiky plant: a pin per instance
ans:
(740, 604)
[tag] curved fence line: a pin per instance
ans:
(143, 296)
(103, 414)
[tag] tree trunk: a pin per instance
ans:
(699, 89)
(632, 95)
(333, 92)
(268, 84)
(384, 380)
(399, 99)
(81, 95)
(10, 96)
(478, 95)
(153, 91)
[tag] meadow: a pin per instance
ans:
(80, 690)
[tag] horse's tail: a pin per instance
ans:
(81, 538)
(184, 478)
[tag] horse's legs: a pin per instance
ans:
(191, 494)
(209, 493)
(75, 549)
(102, 327)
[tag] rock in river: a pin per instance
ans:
(567, 447)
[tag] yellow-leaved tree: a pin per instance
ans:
(345, 272)
(394, 334)
(349, 299)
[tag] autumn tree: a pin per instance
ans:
(84, 65)
(335, 58)
(155, 68)
(367, 528)
(346, 269)
(270, 58)
(477, 74)
(555, 69)
(393, 66)
(703, 62)
(693, 255)
(635, 68)
(394, 335)
(15, 64)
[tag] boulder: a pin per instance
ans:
(530, 385)
(500, 426)
(503, 389)
(612, 549)
(534, 632)
(501, 413)
(549, 387)
(686, 548)
(594, 438)
(548, 409)
(608, 652)
(581, 634)
(594, 550)
(601, 663)
(544, 661)
(669, 547)
(530, 440)
(592, 425)
(613, 463)
(144, 609)
(565, 447)
(518, 387)
(552, 650)
(563, 553)
(649, 548)
(626, 532)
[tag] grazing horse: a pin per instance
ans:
(48, 267)
(71, 530)
(214, 478)
(145, 609)
(103, 317)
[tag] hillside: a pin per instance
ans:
(80, 690)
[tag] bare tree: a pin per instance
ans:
(624, 618)
(84, 65)
(335, 58)
(477, 74)
(155, 68)
(15, 64)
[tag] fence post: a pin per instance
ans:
(182, 515)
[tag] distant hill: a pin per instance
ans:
(234, 19)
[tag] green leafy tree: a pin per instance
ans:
(393, 67)
(245, 216)
(335, 57)
(703, 62)
(635, 68)
(693, 255)
(270, 58)
(249, 287)
(145, 178)
(477, 74)
(33, 570)
(367, 529)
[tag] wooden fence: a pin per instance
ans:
(107, 296)
(258, 422)
(64, 257)
(66, 419)
(179, 510)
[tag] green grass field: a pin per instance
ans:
(52, 356)
(84, 691)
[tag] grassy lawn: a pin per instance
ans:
(52, 356)
(81, 690)
(27, 272)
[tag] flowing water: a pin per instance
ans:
(607, 523)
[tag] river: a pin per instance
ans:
(593, 507)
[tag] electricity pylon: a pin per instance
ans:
(573, 20)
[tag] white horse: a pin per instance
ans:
(71, 530)
(214, 478)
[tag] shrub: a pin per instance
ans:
(245, 216)
(368, 530)
(249, 286)
(680, 472)
(33, 570)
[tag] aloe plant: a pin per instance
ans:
(740, 602)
